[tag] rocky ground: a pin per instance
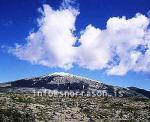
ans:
(30, 108)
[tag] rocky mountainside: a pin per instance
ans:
(130, 104)
(29, 108)
(68, 82)
(141, 91)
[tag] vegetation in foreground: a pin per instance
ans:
(30, 108)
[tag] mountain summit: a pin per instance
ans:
(61, 81)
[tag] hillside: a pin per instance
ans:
(68, 82)
(19, 103)
(27, 108)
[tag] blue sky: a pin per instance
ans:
(19, 19)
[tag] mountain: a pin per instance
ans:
(130, 104)
(141, 91)
(61, 81)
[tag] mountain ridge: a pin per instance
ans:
(64, 81)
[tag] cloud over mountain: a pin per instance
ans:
(52, 44)
(123, 46)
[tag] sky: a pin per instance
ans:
(105, 40)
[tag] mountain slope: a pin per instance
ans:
(67, 82)
(141, 91)
(29, 108)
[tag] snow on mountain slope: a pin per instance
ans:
(64, 81)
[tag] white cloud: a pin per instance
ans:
(52, 44)
(122, 47)
(95, 52)
(121, 38)
(127, 36)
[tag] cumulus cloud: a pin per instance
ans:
(52, 44)
(122, 47)
(116, 47)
